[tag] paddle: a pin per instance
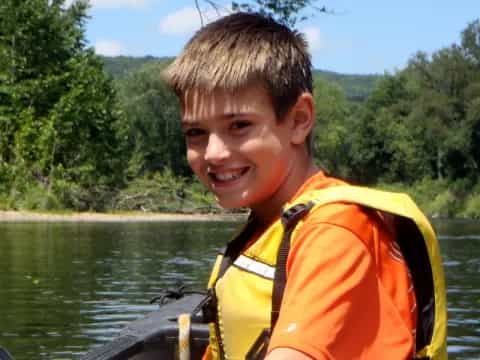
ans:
(5, 355)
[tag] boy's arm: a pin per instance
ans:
(330, 275)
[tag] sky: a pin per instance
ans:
(357, 37)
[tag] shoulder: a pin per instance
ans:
(339, 216)
(332, 234)
(355, 219)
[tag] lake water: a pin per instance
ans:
(65, 287)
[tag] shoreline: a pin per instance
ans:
(25, 216)
(10, 216)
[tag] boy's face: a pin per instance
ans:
(237, 148)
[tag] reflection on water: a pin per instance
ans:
(460, 242)
(65, 287)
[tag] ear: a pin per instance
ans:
(303, 118)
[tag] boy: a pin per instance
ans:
(338, 287)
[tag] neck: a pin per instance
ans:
(264, 213)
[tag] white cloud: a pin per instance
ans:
(314, 38)
(109, 48)
(186, 21)
(111, 4)
(180, 22)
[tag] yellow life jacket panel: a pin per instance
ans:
(247, 284)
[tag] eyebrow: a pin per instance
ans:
(184, 123)
(226, 116)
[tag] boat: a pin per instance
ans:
(156, 336)
(5, 355)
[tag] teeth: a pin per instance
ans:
(228, 176)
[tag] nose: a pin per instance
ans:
(217, 149)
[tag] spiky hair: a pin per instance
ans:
(241, 50)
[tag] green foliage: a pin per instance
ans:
(443, 205)
(155, 140)
(440, 198)
(330, 146)
(58, 109)
(356, 87)
(164, 192)
(471, 42)
(87, 133)
(120, 66)
(422, 122)
(288, 12)
(442, 82)
(35, 198)
(471, 209)
(382, 147)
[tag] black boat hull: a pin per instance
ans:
(156, 335)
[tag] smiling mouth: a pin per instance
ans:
(227, 176)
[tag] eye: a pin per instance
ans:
(193, 132)
(238, 125)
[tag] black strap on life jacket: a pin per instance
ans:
(414, 251)
(229, 255)
(258, 351)
(236, 245)
(290, 219)
(412, 246)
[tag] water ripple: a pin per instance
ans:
(69, 287)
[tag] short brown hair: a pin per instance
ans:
(241, 50)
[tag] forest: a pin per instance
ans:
(82, 132)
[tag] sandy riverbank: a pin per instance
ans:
(28, 216)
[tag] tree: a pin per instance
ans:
(331, 146)
(155, 139)
(288, 12)
(471, 48)
(423, 122)
(58, 117)
(441, 107)
(378, 137)
(471, 42)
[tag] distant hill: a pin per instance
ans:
(119, 66)
(356, 87)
